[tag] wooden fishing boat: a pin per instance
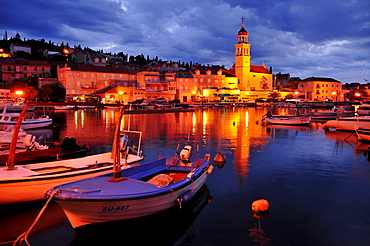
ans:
(324, 115)
(292, 121)
(32, 153)
(135, 192)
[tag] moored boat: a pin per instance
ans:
(23, 183)
(34, 152)
(349, 123)
(363, 110)
(324, 115)
(10, 119)
(293, 121)
(137, 191)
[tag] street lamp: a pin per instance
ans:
(121, 95)
(334, 94)
(19, 94)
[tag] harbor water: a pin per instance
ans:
(317, 183)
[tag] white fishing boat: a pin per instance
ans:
(134, 192)
(22, 183)
(7, 134)
(10, 119)
(29, 182)
(363, 110)
(293, 121)
(349, 123)
(345, 111)
(11, 107)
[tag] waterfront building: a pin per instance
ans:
(321, 89)
(157, 84)
(13, 68)
(87, 78)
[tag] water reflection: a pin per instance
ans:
(309, 176)
(343, 138)
(165, 228)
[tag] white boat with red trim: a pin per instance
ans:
(29, 182)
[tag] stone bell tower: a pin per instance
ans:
(242, 58)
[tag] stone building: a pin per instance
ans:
(321, 89)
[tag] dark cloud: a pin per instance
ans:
(304, 38)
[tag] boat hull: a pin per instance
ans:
(288, 121)
(363, 135)
(84, 204)
(349, 123)
(23, 185)
(30, 124)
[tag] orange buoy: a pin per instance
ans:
(260, 205)
(219, 158)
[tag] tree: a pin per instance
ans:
(52, 92)
(292, 84)
(30, 92)
(275, 94)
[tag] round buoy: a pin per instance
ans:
(260, 205)
(219, 158)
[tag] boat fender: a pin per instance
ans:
(186, 197)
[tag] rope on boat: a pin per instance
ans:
(24, 236)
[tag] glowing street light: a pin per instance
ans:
(19, 93)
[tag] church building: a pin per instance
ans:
(253, 80)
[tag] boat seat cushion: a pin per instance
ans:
(161, 180)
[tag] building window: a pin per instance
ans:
(35, 68)
(25, 68)
(43, 69)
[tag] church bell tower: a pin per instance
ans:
(242, 58)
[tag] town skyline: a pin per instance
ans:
(296, 38)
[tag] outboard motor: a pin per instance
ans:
(186, 153)
(69, 145)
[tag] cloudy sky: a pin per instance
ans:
(321, 38)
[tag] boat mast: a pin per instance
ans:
(116, 153)
(13, 144)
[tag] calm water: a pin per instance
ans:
(317, 183)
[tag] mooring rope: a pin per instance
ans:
(24, 236)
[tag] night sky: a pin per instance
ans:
(321, 38)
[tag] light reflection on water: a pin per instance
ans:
(317, 182)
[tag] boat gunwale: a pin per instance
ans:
(171, 188)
